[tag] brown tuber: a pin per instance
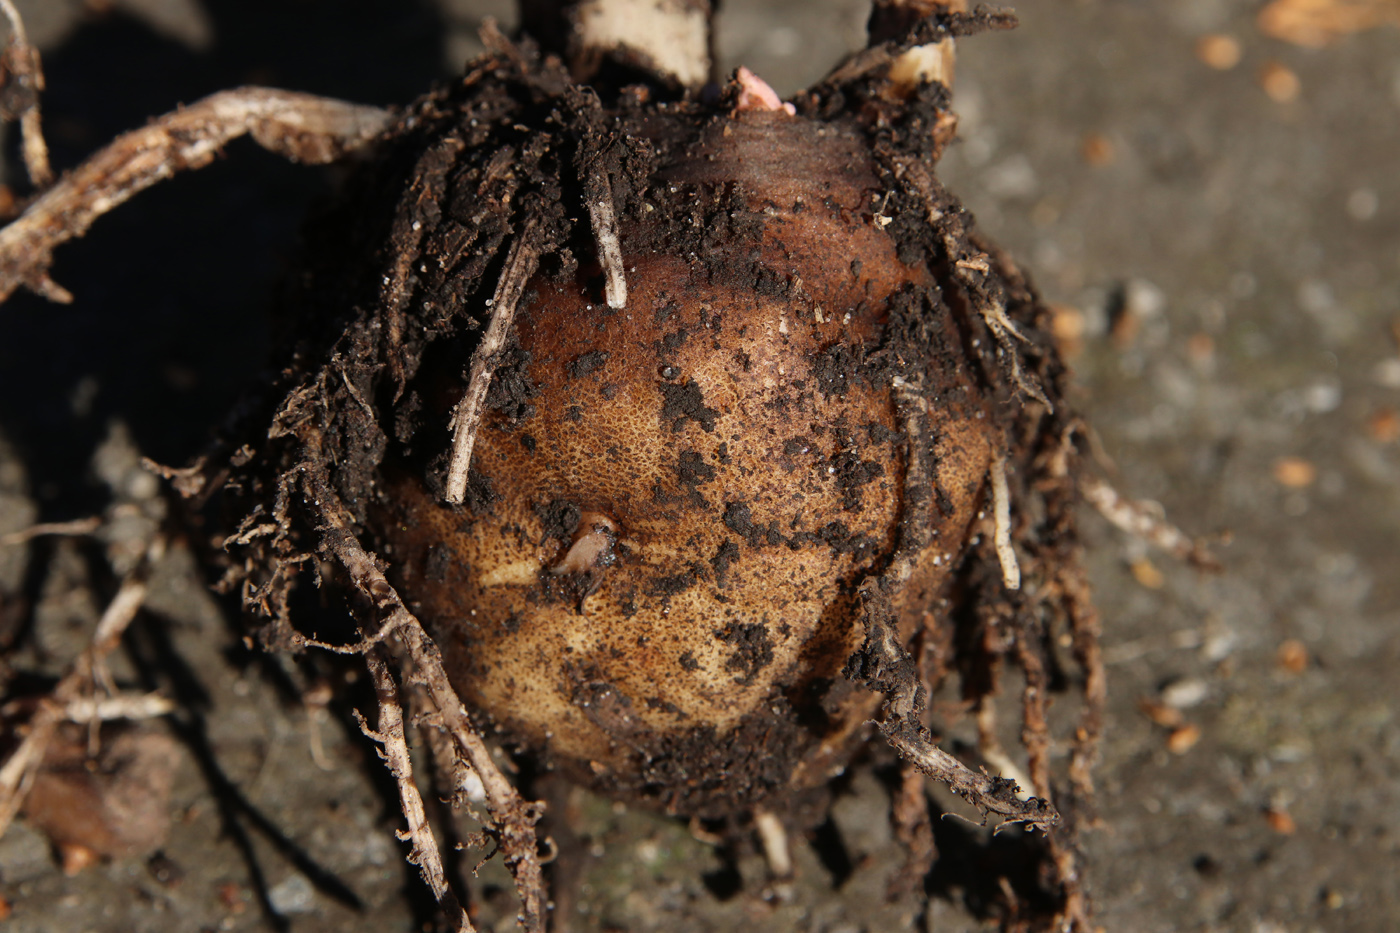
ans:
(700, 430)
(685, 494)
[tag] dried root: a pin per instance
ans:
(521, 263)
(1001, 511)
(74, 697)
(76, 528)
(21, 81)
(512, 820)
(885, 665)
(604, 217)
(301, 127)
(1147, 521)
(390, 735)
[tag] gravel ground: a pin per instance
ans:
(1226, 242)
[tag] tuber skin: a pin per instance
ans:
(728, 451)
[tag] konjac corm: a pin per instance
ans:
(704, 432)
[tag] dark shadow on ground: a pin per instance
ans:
(991, 875)
(163, 668)
(172, 289)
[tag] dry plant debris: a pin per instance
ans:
(573, 253)
(1317, 23)
(75, 692)
(21, 81)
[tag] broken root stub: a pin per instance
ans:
(676, 422)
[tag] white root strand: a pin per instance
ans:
(120, 612)
(513, 819)
(1145, 520)
(24, 66)
(775, 843)
(604, 218)
(121, 706)
(1001, 517)
(36, 151)
(18, 773)
(390, 735)
(520, 265)
(302, 127)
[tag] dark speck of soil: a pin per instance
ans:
(686, 402)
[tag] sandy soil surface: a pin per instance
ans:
(1225, 235)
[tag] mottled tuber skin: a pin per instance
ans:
(660, 590)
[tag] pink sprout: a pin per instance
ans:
(756, 94)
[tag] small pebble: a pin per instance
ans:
(1280, 83)
(1098, 149)
(233, 896)
(1146, 574)
(1362, 204)
(1183, 739)
(1219, 51)
(1293, 656)
(648, 851)
(76, 857)
(1184, 694)
(1280, 822)
(293, 896)
(1200, 348)
(1068, 325)
(1160, 713)
(1294, 472)
(1384, 426)
(1387, 373)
